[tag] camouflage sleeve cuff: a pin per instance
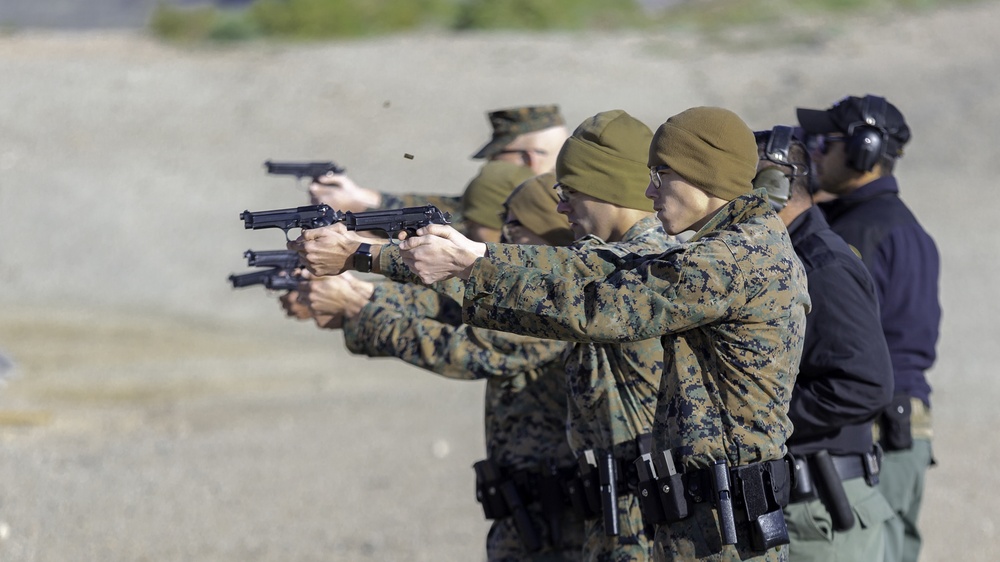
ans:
(482, 279)
(391, 265)
(361, 332)
(357, 332)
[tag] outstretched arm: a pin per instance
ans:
(388, 326)
(642, 298)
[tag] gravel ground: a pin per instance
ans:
(154, 414)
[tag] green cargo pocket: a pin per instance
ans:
(873, 510)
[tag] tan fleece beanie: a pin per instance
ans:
(605, 158)
(534, 204)
(711, 148)
(483, 199)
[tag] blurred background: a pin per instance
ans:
(151, 412)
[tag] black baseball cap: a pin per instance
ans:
(850, 112)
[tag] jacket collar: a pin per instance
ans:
(753, 205)
(806, 224)
(885, 185)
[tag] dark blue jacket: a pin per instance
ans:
(904, 262)
(845, 375)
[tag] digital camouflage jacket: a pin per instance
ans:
(525, 410)
(729, 304)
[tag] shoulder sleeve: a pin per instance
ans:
(906, 268)
(845, 375)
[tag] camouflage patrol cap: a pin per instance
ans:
(534, 204)
(509, 123)
(483, 198)
(605, 158)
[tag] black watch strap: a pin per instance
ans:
(363, 258)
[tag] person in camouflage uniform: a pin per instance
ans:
(612, 386)
(528, 136)
(602, 174)
(525, 402)
(729, 304)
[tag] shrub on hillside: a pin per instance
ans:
(549, 14)
(317, 19)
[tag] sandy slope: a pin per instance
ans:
(157, 415)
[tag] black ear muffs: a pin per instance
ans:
(867, 139)
(777, 146)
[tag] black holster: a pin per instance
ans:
(830, 488)
(553, 501)
(577, 494)
(501, 498)
(647, 491)
(670, 485)
(821, 476)
(763, 489)
(758, 491)
(897, 434)
(598, 476)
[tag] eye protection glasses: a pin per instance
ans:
(822, 143)
(654, 175)
(563, 193)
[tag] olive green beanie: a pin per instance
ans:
(534, 204)
(605, 158)
(709, 147)
(483, 199)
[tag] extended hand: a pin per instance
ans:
(440, 252)
(341, 193)
(328, 250)
(293, 307)
(341, 295)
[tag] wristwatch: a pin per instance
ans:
(363, 258)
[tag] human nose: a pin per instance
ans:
(651, 191)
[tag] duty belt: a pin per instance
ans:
(590, 490)
(821, 476)
(508, 493)
(754, 493)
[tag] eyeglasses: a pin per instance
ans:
(654, 175)
(563, 193)
(821, 143)
(507, 228)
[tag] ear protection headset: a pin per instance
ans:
(867, 139)
(774, 179)
(778, 185)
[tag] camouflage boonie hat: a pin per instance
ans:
(509, 123)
